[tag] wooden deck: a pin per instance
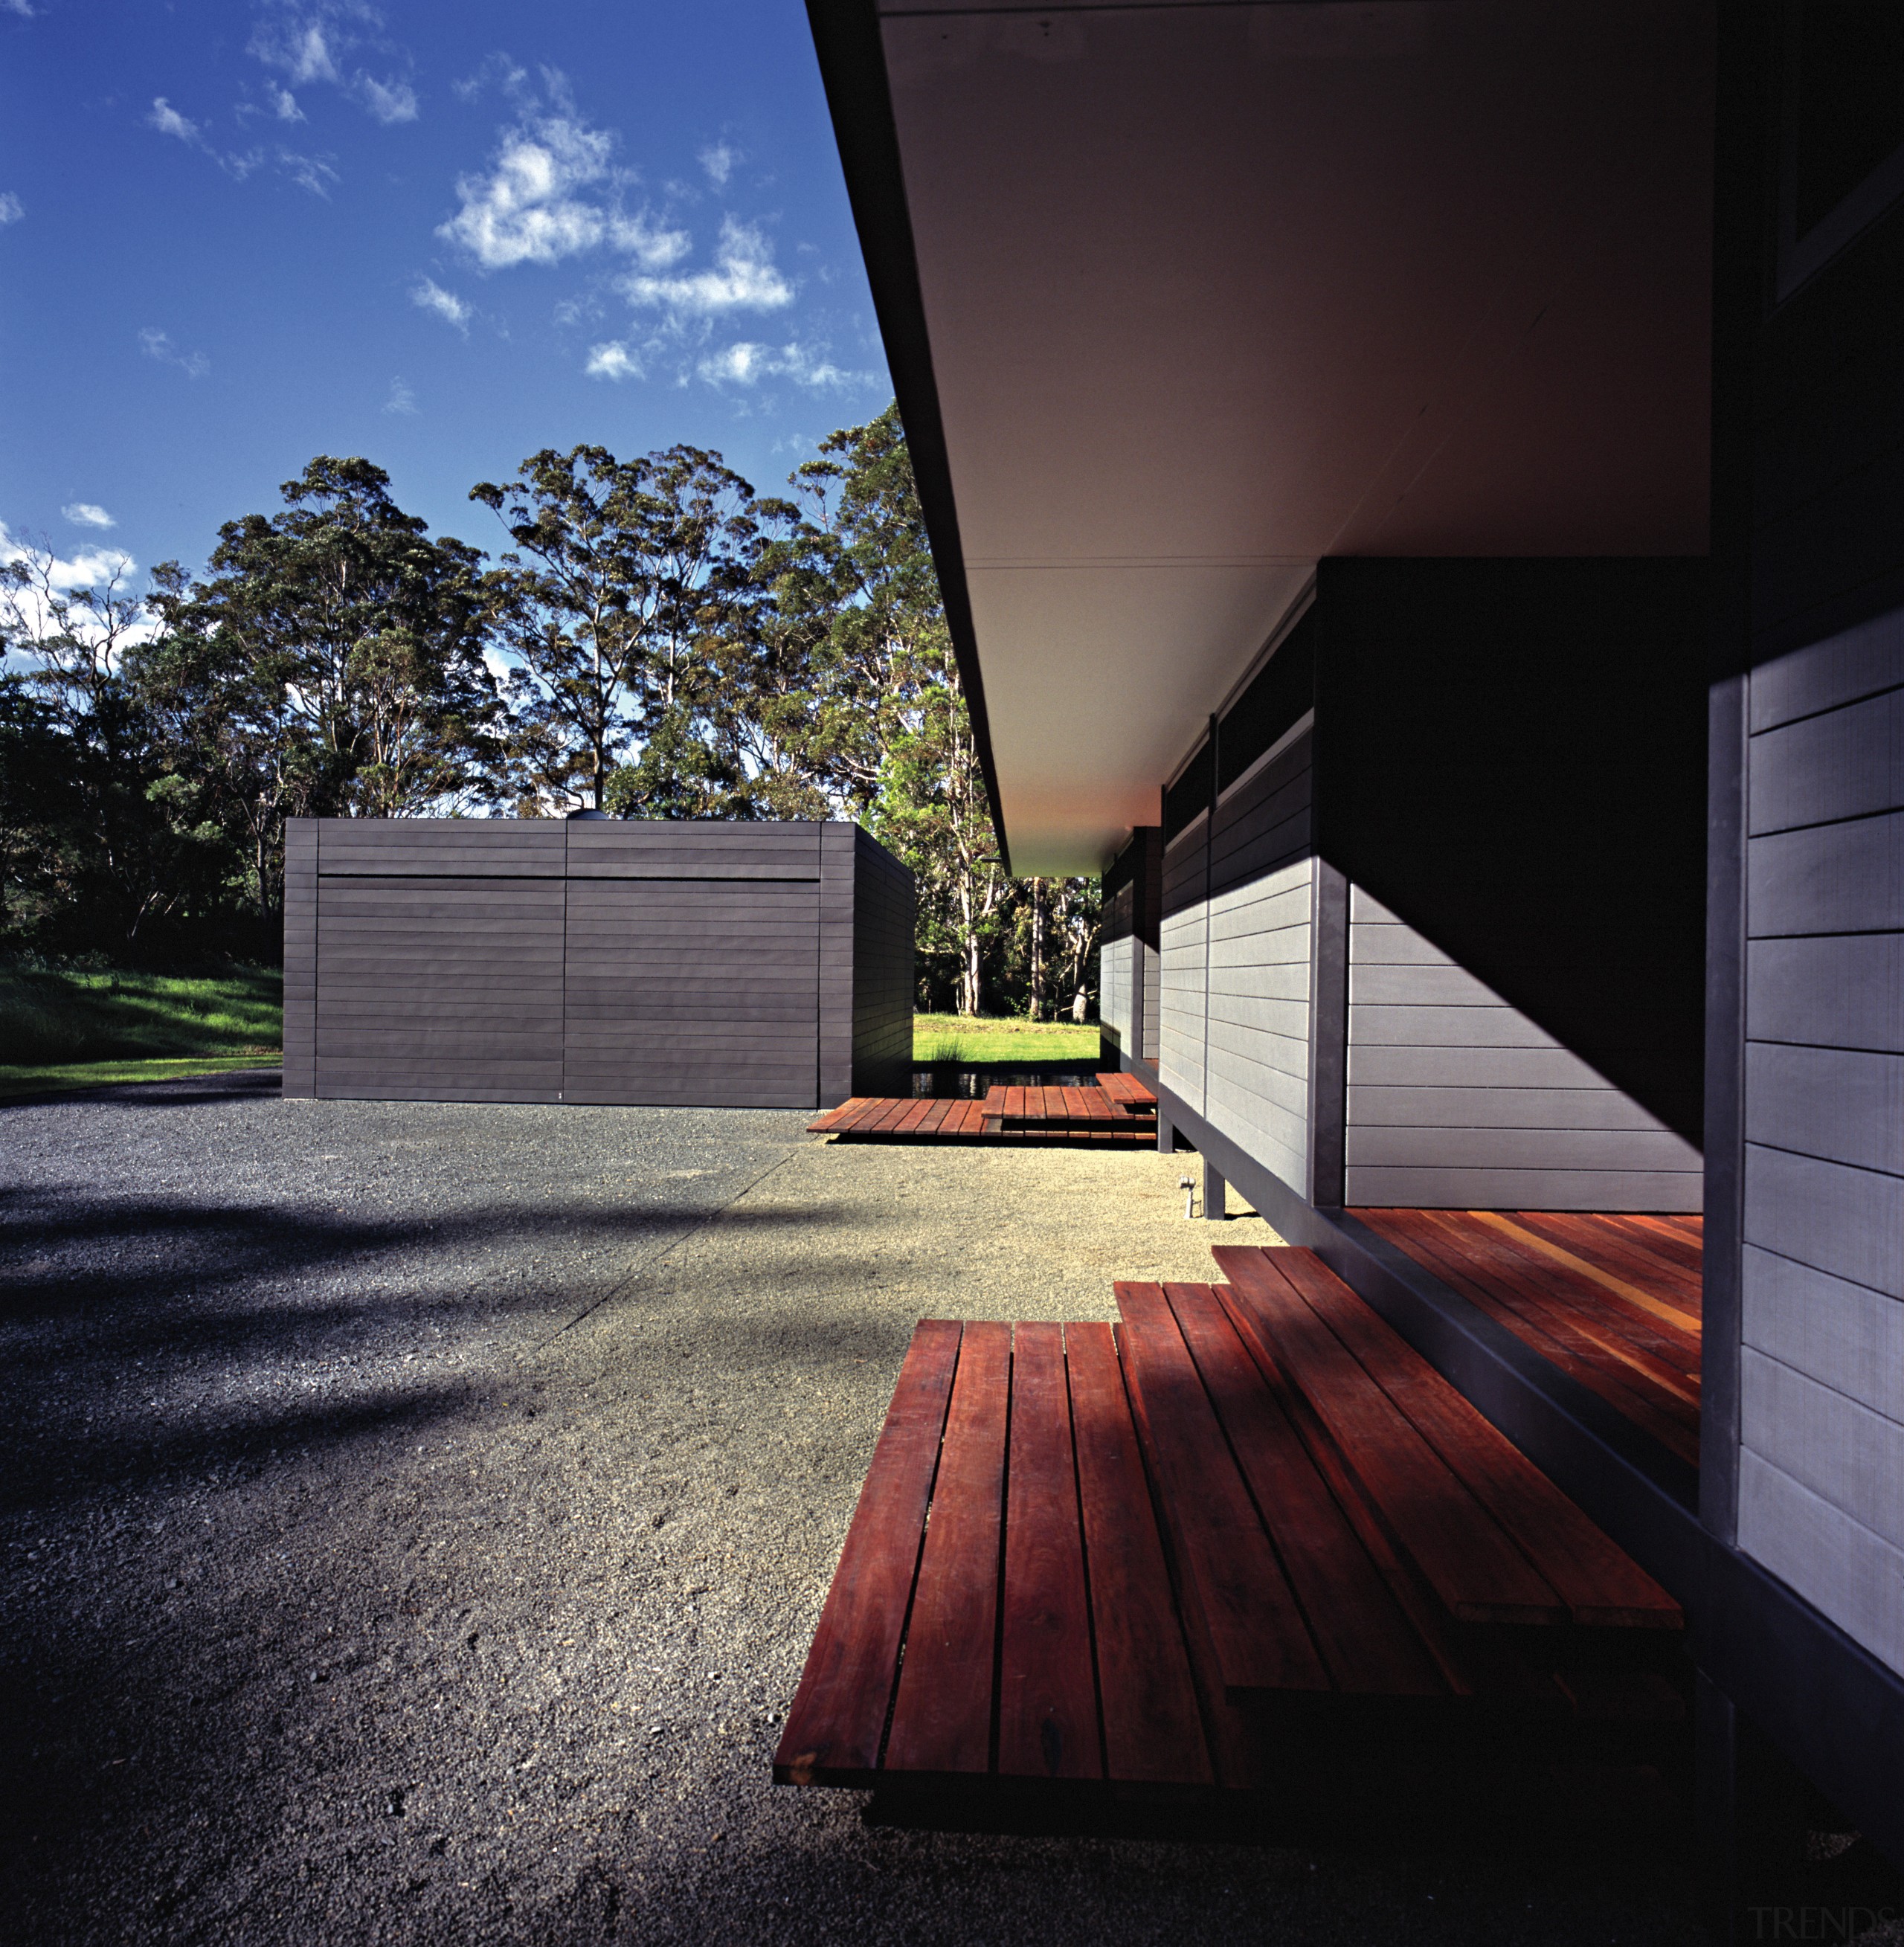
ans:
(1612, 1300)
(1155, 1559)
(1119, 1113)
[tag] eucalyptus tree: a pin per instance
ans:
(614, 604)
(891, 727)
(111, 843)
(356, 643)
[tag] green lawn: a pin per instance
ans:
(962, 1038)
(63, 1027)
(25, 1081)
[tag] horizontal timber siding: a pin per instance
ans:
(1235, 956)
(1457, 1100)
(592, 961)
(1821, 1484)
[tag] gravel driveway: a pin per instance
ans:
(415, 1515)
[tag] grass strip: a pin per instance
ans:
(964, 1037)
(59, 1077)
(55, 1016)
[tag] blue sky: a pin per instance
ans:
(232, 236)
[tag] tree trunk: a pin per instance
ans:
(1038, 949)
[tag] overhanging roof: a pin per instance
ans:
(1180, 298)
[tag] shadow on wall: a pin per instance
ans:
(1511, 756)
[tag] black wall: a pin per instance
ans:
(882, 971)
(1510, 755)
(1133, 889)
(594, 961)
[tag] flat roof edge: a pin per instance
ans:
(852, 69)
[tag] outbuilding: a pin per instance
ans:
(595, 960)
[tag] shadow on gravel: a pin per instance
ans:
(77, 1466)
(241, 1084)
(214, 1247)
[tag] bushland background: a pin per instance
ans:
(651, 638)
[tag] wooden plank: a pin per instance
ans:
(1256, 1625)
(1367, 1643)
(1667, 1235)
(838, 1714)
(1152, 1732)
(1668, 1334)
(843, 1117)
(1467, 1558)
(942, 1718)
(1549, 1330)
(1542, 1276)
(1632, 1253)
(1600, 1583)
(1048, 1691)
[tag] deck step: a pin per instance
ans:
(1099, 1117)
(1149, 1557)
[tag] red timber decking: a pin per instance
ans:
(1119, 1113)
(1172, 1557)
(1612, 1300)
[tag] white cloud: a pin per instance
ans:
(11, 208)
(430, 296)
(19, 6)
(402, 400)
(742, 278)
(654, 248)
(284, 103)
(553, 191)
(310, 172)
(158, 344)
(613, 360)
(315, 43)
(236, 164)
(88, 513)
(301, 48)
(169, 122)
(390, 101)
(90, 567)
(498, 68)
(748, 364)
(526, 211)
(718, 160)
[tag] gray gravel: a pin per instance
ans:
(415, 1515)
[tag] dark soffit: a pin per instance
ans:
(852, 67)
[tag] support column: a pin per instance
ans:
(1216, 1193)
(1328, 1035)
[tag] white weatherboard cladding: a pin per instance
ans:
(1457, 1100)
(1821, 1393)
(1150, 995)
(1182, 995)
(1235, 991)
(1120, 991)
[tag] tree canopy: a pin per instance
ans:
(651, 639)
